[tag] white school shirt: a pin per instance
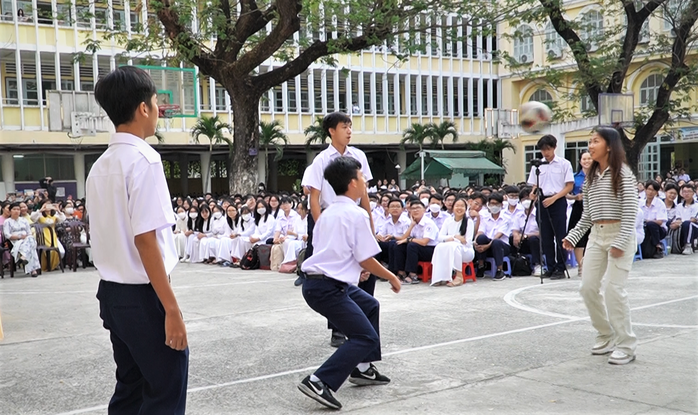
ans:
(283, 223)
(126, 187)
(553, 176)
(396, 229)
(490, 227)
(685, 213)
(440, 219)
(342, 239)
(426, 228)
(656, 210)
(519, 220)
(380, 220)
(314, 175)
(265, 228)
(452, 228)
(511, 215)
(300, 226)
(219, 227)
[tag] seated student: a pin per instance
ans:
(381, 213)
(202, 229)
(180, 230)
(436, 212)
(392, 229)
(687, 216)
(193, 214)
(525, 235)
(284, 222)
(245, 229)
(225, 245)
(639, 227)
(18, 231)
(264, 229)
(297, 234)
(512, 205)
(493, 238)
(455, 247)
(655, 219)
(416, 244)
(476, 201)
(208, 248)
(424, 196)
(449, 198)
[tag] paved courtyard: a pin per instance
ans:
(511, 347)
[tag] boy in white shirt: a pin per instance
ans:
(493, 238)
(345, 246)
(393, 228)
(436, 212)
(687, 213)
(126, 186)
(416, 244)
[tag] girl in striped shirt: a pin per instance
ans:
(610, 210)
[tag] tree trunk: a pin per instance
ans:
(242, 178)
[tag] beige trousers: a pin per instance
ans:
(611, 318)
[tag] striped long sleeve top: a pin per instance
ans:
(601, 203)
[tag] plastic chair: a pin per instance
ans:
(6, 246)
(75, 228)
(638, 254)
(44, 249)
(571, 260)
(506, 267)
(469, 266)
(425, 275)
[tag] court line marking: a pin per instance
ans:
(395, 353)
(510, 298)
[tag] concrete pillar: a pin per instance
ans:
(8, 173)
(273, 179)
(402, 161)
(560, 149)
(261, 170)
(184, 173)
(79, 166)
(205, 172)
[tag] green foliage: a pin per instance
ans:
(315, 134)
(271, 134)
(432, 133)
(212, 128)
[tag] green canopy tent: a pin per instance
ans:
(440, 164)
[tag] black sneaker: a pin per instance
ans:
(298, 281)
(480, 272)
(499, 275)
(548, 274)
(558, 275)
(337, 339)
(320, 392)
(369, 377)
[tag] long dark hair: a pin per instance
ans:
(616, 157)
(579, 162)
(243, 209)
(200, 219)
(464, 221)
(232, 223)
(191, 223)
(257, 216)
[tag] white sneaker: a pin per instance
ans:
(601, 348)
(537, 271)
(687, 250)
(620, 358)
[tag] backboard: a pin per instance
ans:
(616, 110)
(176, 90)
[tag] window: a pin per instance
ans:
(413, 95)
(391, 95)
(476, 93)
(543, 96)
(425, 97)
(87, 86)
(33, 167)
(291, 95)
(264, 102)
(120, 20)
(573, 151)
(448, 98)
(649, 88)
(379, 95)
(466, 89)
(305, 100)
(592, 29)
(495, 93)
(434, 96)
(219, 97)
(29, 92)
(530, 153)
(586, 104)
(523, 44)
(317, 91)
(278, 99)
(553, 42)
(367, 93)
(672, 13)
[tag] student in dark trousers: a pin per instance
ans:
(126, 186)
(556, 181)
(344, 250)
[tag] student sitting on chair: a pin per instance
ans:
(493, 238)
(391, 230)
(416, 244)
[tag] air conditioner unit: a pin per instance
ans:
(672, 33)
(523, 58)
(554, 53)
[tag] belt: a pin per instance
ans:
(318, 277)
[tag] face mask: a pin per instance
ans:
(194, 215)
(246, 217)
(435, 208)
(494, 209)
(69, 211)
(372, 204)
(526, 204)
(262, 211)
(512, 202)
(181, 215)
(217, 215)
(425, 202)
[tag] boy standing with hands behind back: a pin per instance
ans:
(134, 252)
(345, 246)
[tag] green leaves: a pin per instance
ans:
(271, 134)
(315, 133)
(435, 134)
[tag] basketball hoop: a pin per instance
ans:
(168, 110)
(616, 110)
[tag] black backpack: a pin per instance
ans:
(251, 259)
(520, 267)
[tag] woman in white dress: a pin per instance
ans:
(264, 229)
(245, 229)
(193, 216)
(18, 231)
(455, 247)
(202, 229)
(208, 247)
(225, 245)
(297, 236)
(180, 232)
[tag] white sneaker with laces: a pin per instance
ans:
(537, 271)
(601, 348)
(620, 358)
(687, 250)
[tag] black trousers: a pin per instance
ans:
(654, 234)
(553, 219)
(529, 246)
(151, 378)
(406, 256)
(498, 250)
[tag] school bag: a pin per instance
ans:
(288, 267)
(277, 257)
(264, 254)
(299, 261)
(520, 267)
(251, 259)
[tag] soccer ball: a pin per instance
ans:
(534, 116)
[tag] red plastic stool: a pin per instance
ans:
(425, 276)
(469, 276)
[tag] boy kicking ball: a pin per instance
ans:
(344, 247)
